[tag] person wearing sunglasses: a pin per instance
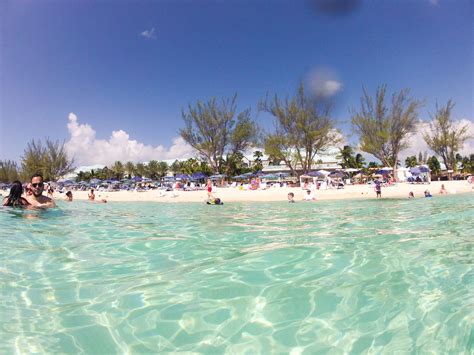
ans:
(36, 198)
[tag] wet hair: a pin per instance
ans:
(37, 175)
(69, 193)
(291, 194)
(217, 201)
(14, 199)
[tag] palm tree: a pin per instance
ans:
(346, 155)
(130, 169)
(153, 170)
(257, 161)
(118, 170)
(410, 162)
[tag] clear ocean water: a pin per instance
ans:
(373, 276)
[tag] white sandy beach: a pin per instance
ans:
(229, 194)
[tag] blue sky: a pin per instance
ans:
(94, 59)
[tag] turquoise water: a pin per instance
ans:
(326, 277)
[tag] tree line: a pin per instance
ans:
(303, 128)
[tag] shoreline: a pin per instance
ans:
(229, 194)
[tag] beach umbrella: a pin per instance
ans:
(337, 174)
(217, 176)
(415, 171)
(424, 169)
(95, 181)
(324, 172)
(137, 178)
(66, 182)
(182, 176)
(316, 173)
(271, 177)
(198, 175)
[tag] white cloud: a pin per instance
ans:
(324, 83)
(150, 34)
(417, 143)
(86, 149)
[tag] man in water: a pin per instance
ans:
(378, 188)
(36, 198)
(291, 197)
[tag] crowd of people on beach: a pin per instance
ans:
(31, 194)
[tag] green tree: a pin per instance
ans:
(384, 132)
(140, 169)
(434, 165)
(257, 161)
(346, 154)
(118, 170)
(190, 166)
(153, 170)
(129, 169)
(177, 167)
(373, 164)
(303, 128)
(411, 162)
(8, 171)
(83, 176)
(50, 159)
(162, 168)
(214, 129)
(235, 165)
(445, 137)
(360, 161)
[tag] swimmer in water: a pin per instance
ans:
(15, 198)
(36, 198)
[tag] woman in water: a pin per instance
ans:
(91, 195)
(14, 199)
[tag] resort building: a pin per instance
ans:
(327, 161)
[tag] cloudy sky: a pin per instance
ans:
(111, 77)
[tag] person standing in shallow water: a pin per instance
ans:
(15, 198)
(378, 188)
(36, 198)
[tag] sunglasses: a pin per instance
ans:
(39, 184)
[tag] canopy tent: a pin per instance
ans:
(182, 176)
(325, 172)
(66, 182)
(421, 169)
(271, 177)
(337, 174)
(217, 176)
(198, 175)
(316, 174)
(384, 171)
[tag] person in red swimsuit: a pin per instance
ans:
(209, 188)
